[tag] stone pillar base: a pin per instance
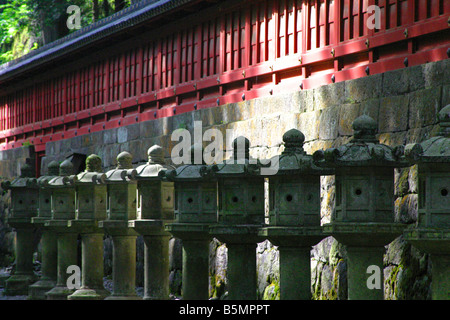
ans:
(17, 285)
(89, 294)
(59, 293)
(38, 290)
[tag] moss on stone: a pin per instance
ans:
(272, 291)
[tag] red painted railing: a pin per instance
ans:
(246, 50)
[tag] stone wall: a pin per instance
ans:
(404, 103)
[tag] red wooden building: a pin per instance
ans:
(158, 58)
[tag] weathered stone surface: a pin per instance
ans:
(347, 114)
(392, 115)
(267, 266)
(415, 78)
(420, 134)
(395, 82)
(423, 107)
(401, 181)
(110, 136)
(406, 209)
(434, 73)
(361, 89)
(329, 95)
(306, 100)
(328, 123)
(308, 124)
(371, 108)
(150, 128)
(128, 133)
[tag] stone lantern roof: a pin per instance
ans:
(53, 171)
(155, 164)
(124, 171)
(62, 180)
(92, 174)
(294, 160)
(363, 150)
(189, 172)
(240, 164)
(26, 179)
(435, 149)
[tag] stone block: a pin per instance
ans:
(406, 209)
(415, 78)
(306, 98)
(75, 143)
(395, 82)
(86, 140)
(329, 95)
(401, 181)
(97, 138)
(308, 124)
(110, 153)
(347, 114)
(182, 121)
(329, 122)
(110, 136)
(392, 116)
(392, 138)
(434, 73)
(416, 135)
(128, 133)
(371, 108)
(361, 89)
(150, 128)
(423, 107)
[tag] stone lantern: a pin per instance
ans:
(155, 205)
(48, 239)
(240, 214)
(90, 208)
(195, 211)
(294, 215)
(24, 204)
(432, 232)
(63, 210)
(120, 208)
(364, 211)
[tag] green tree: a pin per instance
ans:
(28, 24)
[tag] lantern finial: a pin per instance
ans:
(155, 155)
(365, 128)
(293, 141)
(443, 118)
(66, 168)
(93, 163)
(124, 160)
(53, 168)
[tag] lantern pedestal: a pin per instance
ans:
(436, 242)
(195, 239)
(91, 261)
(156, 257)
(67, 256)
(124, 259)
(37, 290)
(23, 276)
(294, 245)
(241, 241)
(365, 248)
